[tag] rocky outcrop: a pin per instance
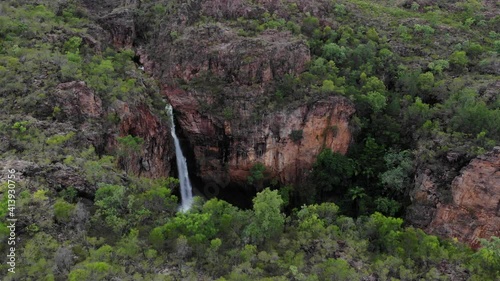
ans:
(473, 208)
(218, 50)
(219, 84)
(226, 150)
(157, 152)
(120, 24)
(101, 126)
(78, 101)
(57, 175)
(241, 74)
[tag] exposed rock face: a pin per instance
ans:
(236, 75)
(473, 210)
(226, 150)
(235, 59)
(78, 100)
(120, 23)
(86, 112)
(157, 153)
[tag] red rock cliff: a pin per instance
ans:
(235, 74)
(225, 151)
(475, 210)
(226, 147)
(85, 111)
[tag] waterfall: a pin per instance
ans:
(186, 188)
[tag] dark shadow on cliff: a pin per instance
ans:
(238, 195)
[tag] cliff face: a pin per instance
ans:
(101, 126)
(209, 69)
(226, 150)
(474, 208)
(227, 145)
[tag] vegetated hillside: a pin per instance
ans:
(86, 132)
(423, 78)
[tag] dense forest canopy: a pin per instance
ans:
(423, 77)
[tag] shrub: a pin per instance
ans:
(376, 100)
(309, 25)
(63, 211)
(426, 81)
(438, 66)
(296, 135)
(334, 52)
(459, 58)
(474, 49)
(496, 44)
(328, 86)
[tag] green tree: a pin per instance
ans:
(376, 100)
(111, 206)
(332, 171)
(387, 206)
(459, 58)
(438, 66)
(336, 269)
(197, 228)
(257, 175)
(268, 221)
(328, 86)
(486, 261)
(63, 211)
(373, 84)
(332, 51)
(73, 45)
(397, 178)
(309, 25)
(426, 81)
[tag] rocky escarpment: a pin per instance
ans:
(86, 122)
(102, 126)
(474, 209)
(229, 124)
(226, 150)
(220, 83)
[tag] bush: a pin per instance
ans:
(496, 45)
(425, 81)
(328, 86)
(332, 170)
(459, 58)
(309, 25)
(438, 66)
(63, 211)
(376, 100)
(296, 135)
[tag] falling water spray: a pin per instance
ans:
(186, 188)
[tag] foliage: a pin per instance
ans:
(459, 58)
(332, 171)
(63, 211)
(268, 221)
(257, 174)
(421, 83)
(296, 135)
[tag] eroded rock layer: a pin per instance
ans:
(475, 210)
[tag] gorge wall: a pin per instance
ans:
(473, 211)
(86, 112)
(220, 84)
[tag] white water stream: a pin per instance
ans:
(186, 188)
